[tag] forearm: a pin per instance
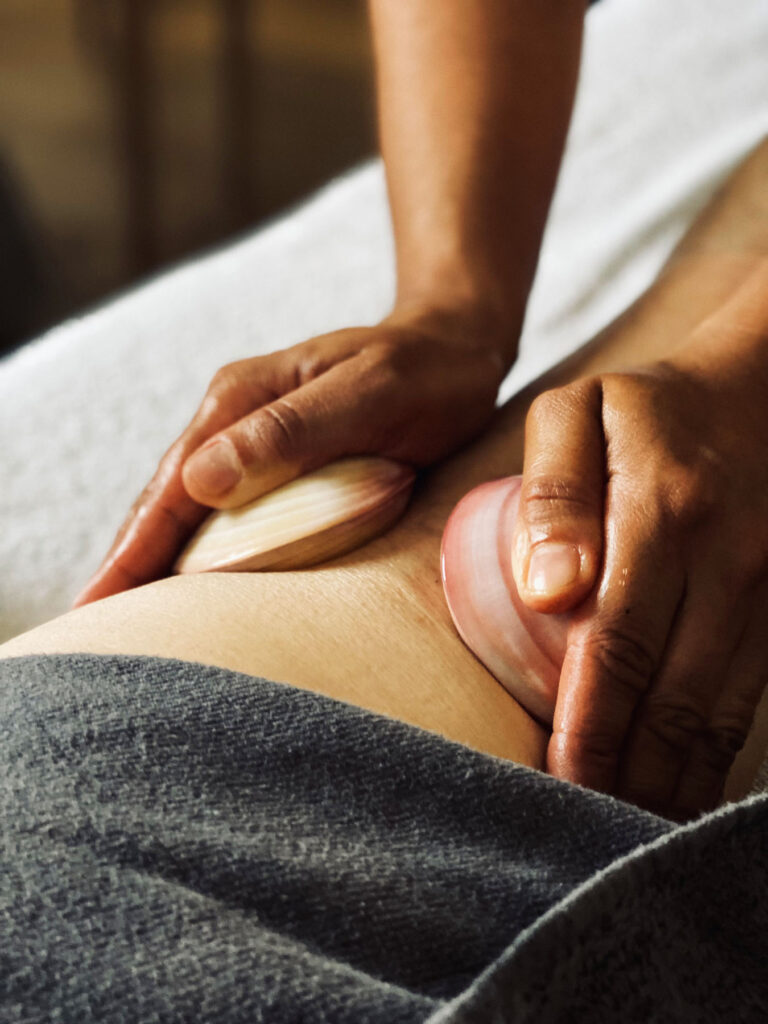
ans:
(729, 350)
(730, 343)
(474, 105)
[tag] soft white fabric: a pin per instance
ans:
(673, 94)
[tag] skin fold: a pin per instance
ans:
(372, 628)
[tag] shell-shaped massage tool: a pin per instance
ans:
(319, 516)
(523, 649)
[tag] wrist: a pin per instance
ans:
(485, 317)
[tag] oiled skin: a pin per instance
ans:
(372, 628)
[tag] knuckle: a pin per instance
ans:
(227, 391)
(583, 753)
(150, 495)
(388, 372)
(547, 405)
(308, 358)
(389, 348)
(547, 496)
(690, 496)
(387, 364)
(623, 660)
(125, 567)
(590, 746)
(731, 725)
(174, 458)
(722, 742)
(708, 766)
(560, 402)
(224, 378)
(175, 522)
(675, 718)
(279, 429)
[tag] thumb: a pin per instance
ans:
(558, 536)
(307, 428)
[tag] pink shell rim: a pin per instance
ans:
(534, 691)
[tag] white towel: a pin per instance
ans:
(672, 96)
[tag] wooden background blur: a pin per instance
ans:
(135, 132)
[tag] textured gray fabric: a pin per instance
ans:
(187, 844)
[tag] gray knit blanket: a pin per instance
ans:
(184, 844)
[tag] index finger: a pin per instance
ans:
(160, 521)
(164, 516)
(615, 644)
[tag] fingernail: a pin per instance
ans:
(215, 469)
(552, 567)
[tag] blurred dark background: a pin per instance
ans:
(136, 132)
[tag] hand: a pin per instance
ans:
(412, 388)
(644, 510)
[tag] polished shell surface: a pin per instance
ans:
(521, 648)
(316, 517)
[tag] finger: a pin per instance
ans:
(148, 542)
(712, 753)
(164, 516)
(615, 644)
(557, 543)
(333, 415)
(677, 708)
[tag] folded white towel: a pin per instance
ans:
(672, 96)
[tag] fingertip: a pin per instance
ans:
(111, 578)
(91, 591)
(82, 598)
(94, 590)
(554, 575)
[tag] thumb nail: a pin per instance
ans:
(553, 566)
(214, 469)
